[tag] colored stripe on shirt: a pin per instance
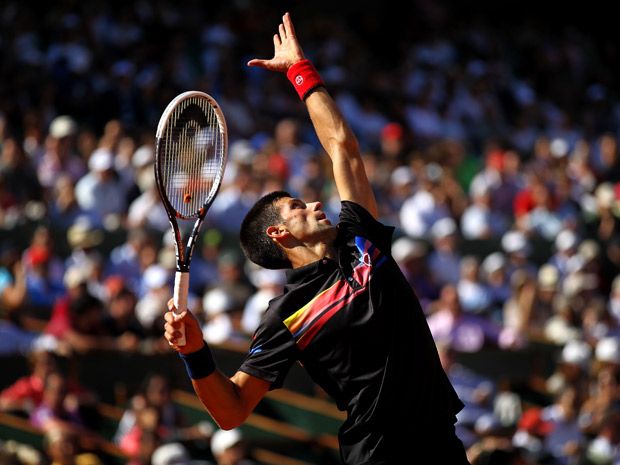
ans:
(306, 322)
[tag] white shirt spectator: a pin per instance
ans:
(99, 192)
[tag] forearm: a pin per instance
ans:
(332, 130)
(222, 399)
(341, 145)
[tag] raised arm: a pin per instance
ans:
(332, 130)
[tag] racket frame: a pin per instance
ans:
(184, 252)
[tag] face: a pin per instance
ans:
(305, 222)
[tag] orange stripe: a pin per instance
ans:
(307, 337)
(333, 294)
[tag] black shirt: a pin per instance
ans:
(357, 327)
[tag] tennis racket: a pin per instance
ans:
(190, 157)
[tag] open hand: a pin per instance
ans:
(287, 50)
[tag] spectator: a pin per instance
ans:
(55, 408)
(19, 176)
(460, 331)
(26, 393)
(444, 261)
(573, 367)
(495, 279)
(517, 249)
(473, 295)
(147, 427)
(157, 282)
(59, 156)
(124, 259)
(83, 238)
(229, 448)
(64, 209)
(269, 284)
(173, 453)
(62, 446)
(218, 327)
(146, 210)
(564, 325)
(566, 247)
(12, 279)
(100, 192)
(411, 257)
(479, 221)
(426, 206)
(42, 287)
(157, 395)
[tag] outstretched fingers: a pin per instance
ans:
(289, 29)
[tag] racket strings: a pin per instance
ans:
(192, 156)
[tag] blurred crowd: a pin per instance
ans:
(492, 149)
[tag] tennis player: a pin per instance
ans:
(347, 315)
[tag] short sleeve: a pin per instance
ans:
(272, 351)
(355, 220)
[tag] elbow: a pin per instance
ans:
(231, 420)
(230, 423)
(228, 426)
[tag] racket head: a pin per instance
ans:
(190, 155)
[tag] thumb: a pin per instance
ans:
(180, 316)
(258, 63)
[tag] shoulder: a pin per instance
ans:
(356, 221)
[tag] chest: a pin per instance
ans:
(337, 296)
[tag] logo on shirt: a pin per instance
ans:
(256, 350)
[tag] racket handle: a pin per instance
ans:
(181, 289)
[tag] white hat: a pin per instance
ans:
(143, 156)
(155, 276)
(558, 147)
(515, 242)
(217, 301)
(548, 277)
(223, 440)
(566, 240)
(241, 151)
(443, 228)
(608, 350)
(589, 250)
(493, 262)
(401, 176)
(101, 160)
(605, 194)
(404, 248)
(74, 276)
(169, 454)
(576, 352)
(62, 126)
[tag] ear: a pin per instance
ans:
(278, 232)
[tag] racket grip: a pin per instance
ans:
(181, 290)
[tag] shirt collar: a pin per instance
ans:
(300, 274)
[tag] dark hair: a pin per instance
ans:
(255, 243)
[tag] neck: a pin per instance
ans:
(303, 254)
